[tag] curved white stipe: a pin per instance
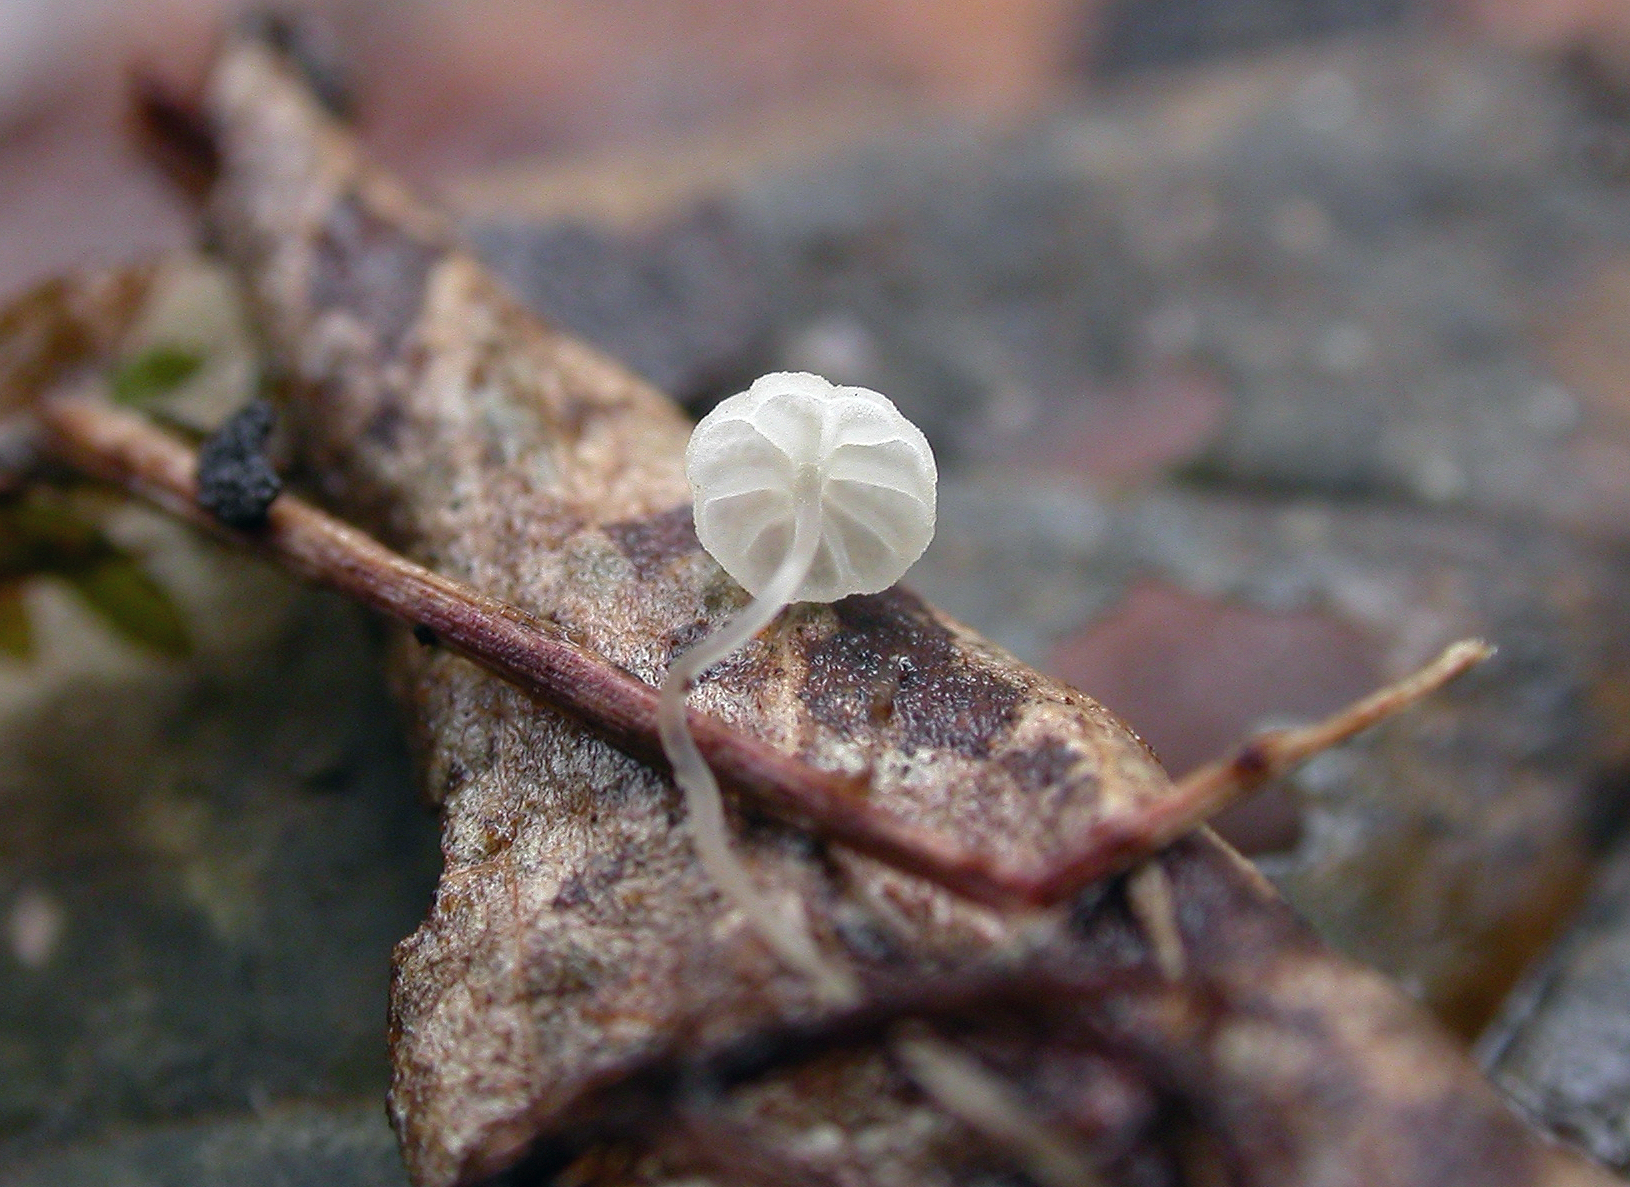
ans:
(803, 492)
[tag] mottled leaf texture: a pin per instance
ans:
(62, 322)
(132, 603)
(574, 944)
(154, 373)
(43, 532)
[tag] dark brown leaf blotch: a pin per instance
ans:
(940, 700)
(654, 542)
(372, 269)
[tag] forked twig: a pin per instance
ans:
(103, 441)
(1272, 754)
(1109, 848)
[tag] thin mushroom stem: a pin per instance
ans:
(782, 926)
(760, 612)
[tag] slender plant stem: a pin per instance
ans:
(106, 442)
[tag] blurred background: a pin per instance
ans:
(1266, 345)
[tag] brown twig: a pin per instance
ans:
(119, 447)
(1203, 792)
(106, 442)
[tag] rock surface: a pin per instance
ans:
(326, 1145)
(204, 870)
(1561, 1049)
(204, 862)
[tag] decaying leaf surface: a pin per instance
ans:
(63, 321)
(574, 938)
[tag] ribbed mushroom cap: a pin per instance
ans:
(876, 474)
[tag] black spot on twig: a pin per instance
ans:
(1252, 762)
(236, 482)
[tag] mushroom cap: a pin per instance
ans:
(876, 476)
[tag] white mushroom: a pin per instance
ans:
(803, 491)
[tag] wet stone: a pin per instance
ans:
(348, 1145)
(1561, 1047)
(203, 870)
(1344, 282)
(1373, 241)
(1139, 34)
(1197, 672)
(682, 303)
